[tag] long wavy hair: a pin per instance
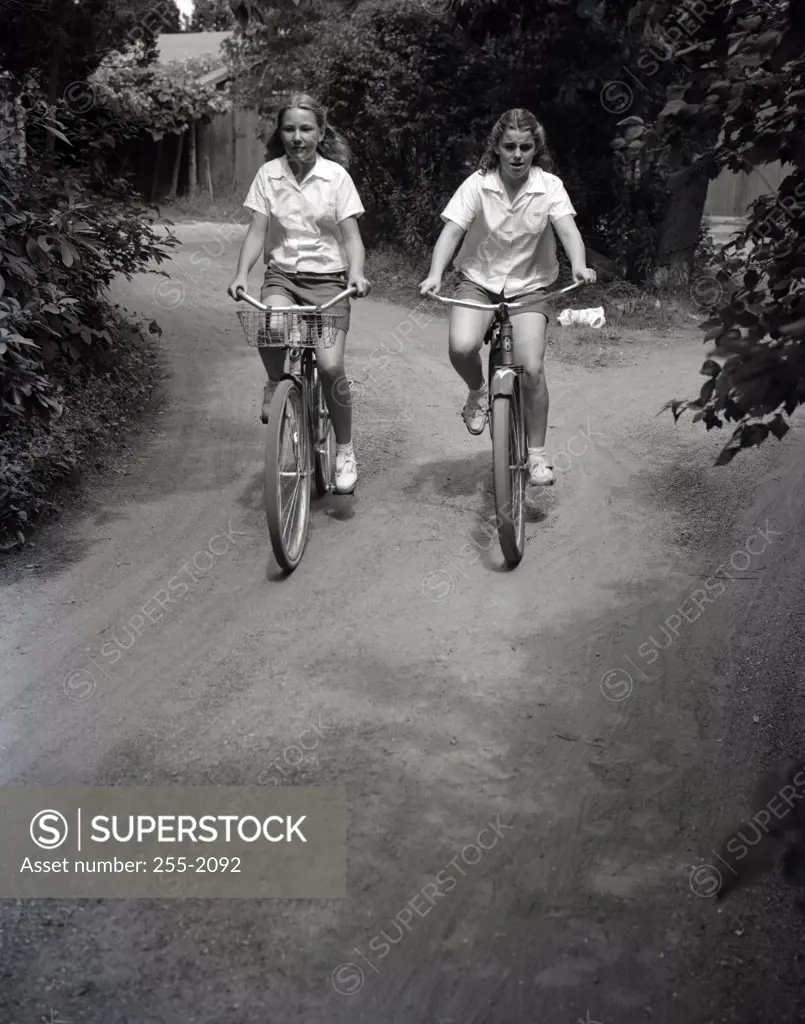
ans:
(519, 120)
(332, 145)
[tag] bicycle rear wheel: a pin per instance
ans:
(508, 468)
(325, 449)
(287, 475)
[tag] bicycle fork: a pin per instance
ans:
(313, 399)
(506, 382)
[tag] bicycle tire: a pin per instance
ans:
(493, 364)
(508, 454)
(324, 448)
(288, 545)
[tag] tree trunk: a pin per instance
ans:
(12, 127)
(680, 233)
(192, 163)
(22, 142)
(124, 163)
(203, 154)
(155, 173)
(233, 114)
(53, 94)
(209, 176)
(177, 163)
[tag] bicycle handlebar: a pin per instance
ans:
(509, 305)
(243, 294)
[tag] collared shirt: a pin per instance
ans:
(509, 247)
(303, 234)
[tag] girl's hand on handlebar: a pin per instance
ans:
(432, 283)
(584, 274)
(360, 284)
(239, 284)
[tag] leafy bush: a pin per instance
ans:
(757, 317)
(61, 244)
(416, 99)
(155, 98)
(102, 394)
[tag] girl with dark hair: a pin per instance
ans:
(503, 213)
(305, 210)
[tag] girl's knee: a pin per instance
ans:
(535, 376)
(463, 347)
(330, 371)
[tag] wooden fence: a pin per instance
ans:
(235, 150)
(730, 195)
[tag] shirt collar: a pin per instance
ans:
(491, 182)
(281, 168)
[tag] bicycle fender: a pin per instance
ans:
(504, 382)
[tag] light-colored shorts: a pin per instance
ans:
(309, 290)
(472, 292)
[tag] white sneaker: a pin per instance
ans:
(540, 474)
(475, 411)
(346, 472)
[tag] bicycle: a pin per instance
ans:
(506, 418)
(299, 423)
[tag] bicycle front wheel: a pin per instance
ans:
(508, 467)
(287, 475)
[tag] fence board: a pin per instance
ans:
(222, 159)
(235, 150)
(730, 195)
(249, 150)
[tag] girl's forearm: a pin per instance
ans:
(251, 250)
(444, 249)
(574, 247)
(356, 256)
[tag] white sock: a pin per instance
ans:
(342, 449)
(480, 391)
(536, 451)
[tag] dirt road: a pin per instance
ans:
(603, 738)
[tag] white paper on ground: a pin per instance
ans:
(584, 317)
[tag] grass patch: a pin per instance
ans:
(395, 276)
(42, 467)
(632, 313)
(225, 209)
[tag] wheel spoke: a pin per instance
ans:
(516, 510)
(291, 434)
(294, 503)
(288, 474)
(292, 506)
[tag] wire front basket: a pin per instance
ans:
(274, 329)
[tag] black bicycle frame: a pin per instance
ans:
(304, 380)
(501, 355)
(505, 336)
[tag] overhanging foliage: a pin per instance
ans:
(157, 98)
(757, 321)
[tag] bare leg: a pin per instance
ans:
(274, 358)
(467, 330)
(335, 387)
(529, 331)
